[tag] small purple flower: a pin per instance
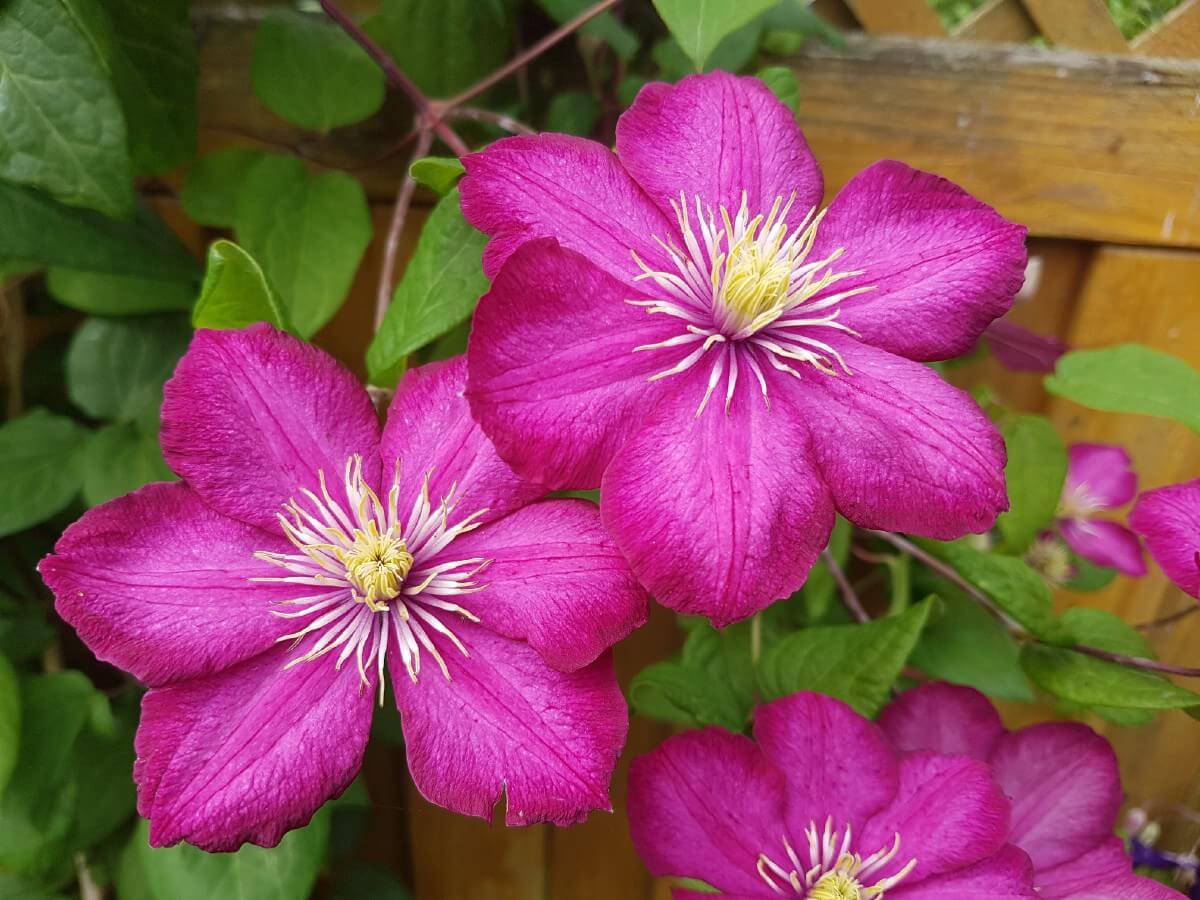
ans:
(1169, 519)
(681, 325)
(1061, 777)
(1100, 478)
(1022, 350)
(819, 806)
(262, 597)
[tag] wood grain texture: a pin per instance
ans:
(997, 20)
(1177, 34)
(910, 17)
(1078, 24)
(1099, 148)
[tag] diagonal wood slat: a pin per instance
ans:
(914, 18)
(998, 20)
(1178, 34)
(1078, 24)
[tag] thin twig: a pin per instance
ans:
(427, 114)
(1169, 620)
(1136, 662)
(849, 596)
(756, 639)
(391, 247)
(500, 120)
(522, 59)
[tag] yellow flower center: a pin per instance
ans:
(376, 564)
(1049, 557)
(836, 886)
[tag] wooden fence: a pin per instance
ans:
(1094, 142)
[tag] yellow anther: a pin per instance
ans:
(836, 885)
(376, 565)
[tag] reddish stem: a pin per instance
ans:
(849, 595)
(391, 247)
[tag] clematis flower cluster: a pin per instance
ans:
(681, 325)
(937, 800)
(305, 553)
(1100, 478)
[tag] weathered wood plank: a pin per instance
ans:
(1177, 34)
(997, 20)
(911, 17)
(1078, 24)
(1073, 145)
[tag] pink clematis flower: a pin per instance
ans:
(680, 325)
(1061, 777)
(1169, 519)
(1016, 347)
(262, 597)
(1100, 477)
(821, 808)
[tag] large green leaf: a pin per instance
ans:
(438, 173)
(103, 771)
(116, 367)
(10, 720)
(699, 25)
(445, 46)
(783, 84)
(1130, 378)
(441, 285)
(102, 294)
(182, 872)
(236, 293)
(858, 664)
(1107, 631)
(308, 232)
(309, 71)
(1089, 681)
(39, 230)
(1036, 469)
(62, 124)
(40, 468)
(1011, 584)
(210, 191)
(120, 458)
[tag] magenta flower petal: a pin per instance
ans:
(506, 723)
(717, 137)
(553, 378)
(944, 717)
(567, 188)
(1065, 789)
(1099, 476)
(901, 449)
(1005, 876)
(719, 514)
(158, 584)
(705, 805)
(1168, 519)
(809, 737)
(1102, 873)
(249, 753)
(949, 811)
(251, 416)
(557, 580)
(942, 265)
(429, 431)
(1022, 350)
(1105, 543)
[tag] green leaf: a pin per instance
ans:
(1088, 576)
(623, 40)
(573, 112)
(151, 55)
(441, 285)
(711, 683)
(855, 663)
(820, 589)
(783, 84)
(63, 127)
(792, 22)
(236, 293)
(1011, 584)
(966, 645)
(103, 770)
(102, 294)
(308, 232)
(210, 191)
(699, 25)
(1102, 629)
(24, 632)
(40, 468)
(307, 70)
(731, 55)
(37, 808)
(10, 720)
(445, 46)
(38, 230)
(438, 173)
(120, 458)
(1097, 682)
(182, 872)
(1130, 378)
(116, 367)
(1036, 469)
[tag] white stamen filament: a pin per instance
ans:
(745, 286)
(382, 578)
(832, 870)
